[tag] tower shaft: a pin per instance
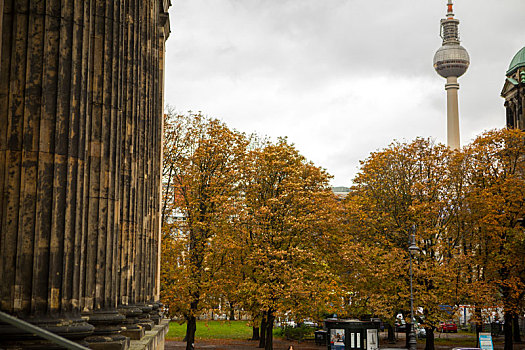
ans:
(452, 87)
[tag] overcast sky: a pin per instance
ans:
(340, 78)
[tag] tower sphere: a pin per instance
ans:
(451, 60)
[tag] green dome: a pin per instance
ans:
(517, 62)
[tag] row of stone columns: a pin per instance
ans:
(81, 105)
(515, 108)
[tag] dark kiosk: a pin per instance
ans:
(352, 334)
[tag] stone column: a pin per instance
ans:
(163, 34)
(157, 32)
(145, 173)
(141, 142)
(521, 103)
(42, 156)
(102, 175)
(1, 18)
(129, 231)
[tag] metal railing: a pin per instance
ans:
(30, 328)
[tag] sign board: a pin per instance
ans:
(372, 342)
(485, 341)
(337, 339)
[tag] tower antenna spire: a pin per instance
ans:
(450, 12)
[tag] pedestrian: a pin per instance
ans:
(290, 348)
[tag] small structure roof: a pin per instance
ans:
(517, 62)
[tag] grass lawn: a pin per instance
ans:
(212, 330)
(457, 342)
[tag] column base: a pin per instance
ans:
(144, 319)
(109, 343)
(72, 328)
(155, 315)
(131, 324)
(107, 333)
(134, 333)
(33, 345)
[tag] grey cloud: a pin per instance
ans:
(311, 69)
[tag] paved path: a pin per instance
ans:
(278, 344)
(242, 345)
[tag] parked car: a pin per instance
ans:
(446, 327)
(310, 324)
(290, 323)
(421, 332)
(400, 326)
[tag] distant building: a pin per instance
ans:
(514, 92)
(340, 191)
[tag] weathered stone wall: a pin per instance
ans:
(153, 340)
(81, 100)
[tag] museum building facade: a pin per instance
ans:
(81, 120)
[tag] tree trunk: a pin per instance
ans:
(262, 339)
(391, 335)
(429, 343)
(269, 330)
(479, 324)
(507, 328)
(516, 328)
(407, 333)
(232, 312)
(190, 332)
(255, 333)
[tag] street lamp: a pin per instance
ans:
(412, 249)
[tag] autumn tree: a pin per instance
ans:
(478, 291)
(202, 159)
(496, 208)
(403, 186)
(289, 214)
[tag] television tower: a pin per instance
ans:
(451, 61)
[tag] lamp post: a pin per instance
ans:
(412, 249)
